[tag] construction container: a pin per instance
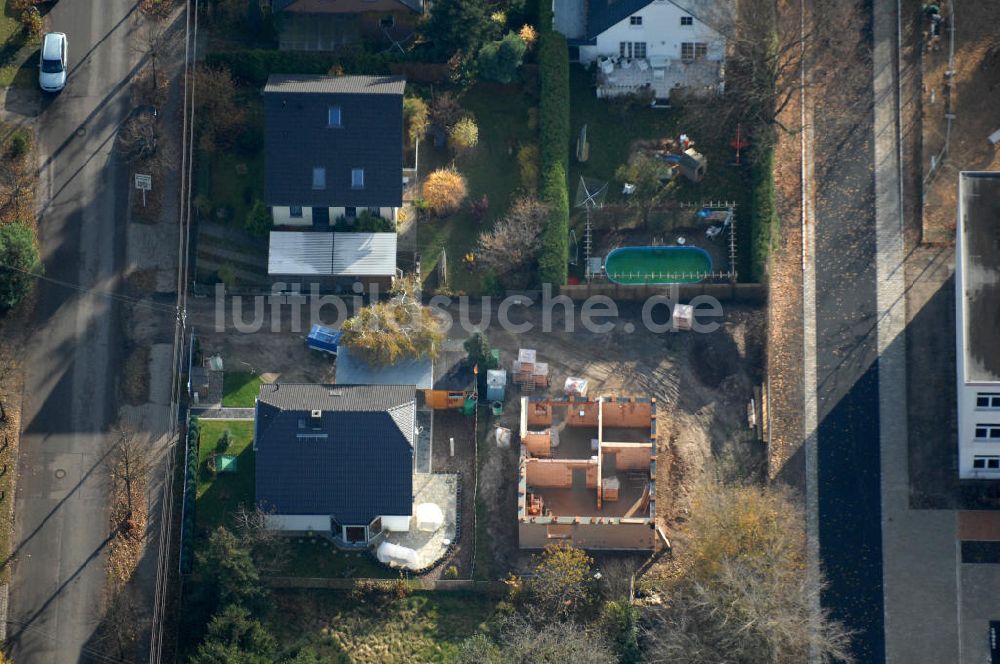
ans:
(496, 384)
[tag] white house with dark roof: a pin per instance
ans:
(333, 148)
(336, 459)
(977, 315)
(662, 45)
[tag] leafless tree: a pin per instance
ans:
(151, 45)
(518, 641)
(514, 241)
(767, 54)
(138, 138)
(130, 466)
(268, 547)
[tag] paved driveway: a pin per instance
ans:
(62, 528)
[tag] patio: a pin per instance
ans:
(442, 490)
(622, 76)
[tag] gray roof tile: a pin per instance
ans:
(297, 139)
(354, 464)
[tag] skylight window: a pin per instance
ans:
(357, 178)
(319, 178)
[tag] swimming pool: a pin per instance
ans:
(657, 265)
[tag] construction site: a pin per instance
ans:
(587, 472)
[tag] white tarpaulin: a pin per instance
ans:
(394, 554)
(396, 524)
(429, 517)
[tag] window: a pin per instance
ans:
(988, 432)
(375, 211)
(986, 463)
(387, 21)
(687, 20)
(333, 116)
(319, 178)
(635, 20)
(632, 49)
(375, 527)
(357, 178)
(988, 401)
(350, 212)
(295, 212)
(691, 51)
(355, 534)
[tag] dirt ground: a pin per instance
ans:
(702, 383)
(975, 83)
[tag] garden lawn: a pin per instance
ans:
(424, 627)
(240, 389)
(17, 53)
(316, 557)
(491, 168)
(218, 496)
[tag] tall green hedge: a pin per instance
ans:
(764, 217)
(553, 59)
(254, 66)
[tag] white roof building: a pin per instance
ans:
(977, 304)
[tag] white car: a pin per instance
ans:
(52, 65)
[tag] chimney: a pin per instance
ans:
(315, 417)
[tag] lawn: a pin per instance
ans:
(612, 126)
(17, 52)
(218, 495)
(424, 627)
(491, 168)
(230, 178)
(240, 389)
(317, 557)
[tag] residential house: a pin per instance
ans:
(336, 459)
(661, 45)
(323, 25)
(333, 147)
(587, 472)
(977, 317)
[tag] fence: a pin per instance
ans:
(732, 292)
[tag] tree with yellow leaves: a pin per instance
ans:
(398, 329)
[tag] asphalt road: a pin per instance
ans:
(74, 360)
(848, 452)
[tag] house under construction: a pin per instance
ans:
(587, 472)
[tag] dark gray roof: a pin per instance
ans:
(978, 271)
(356, 463)
(297, 139)
(602, 14)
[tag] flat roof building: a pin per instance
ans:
(977, 303)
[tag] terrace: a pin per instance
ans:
(623, 76)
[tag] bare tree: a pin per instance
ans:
(513, 243)
(130, 467)
(267, 546)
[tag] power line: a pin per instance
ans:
(124, 299)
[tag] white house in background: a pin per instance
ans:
(977, 316)
(658, 44)
(333, 148)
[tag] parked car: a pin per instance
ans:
(52, 64)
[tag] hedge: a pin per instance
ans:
(553, 58)
(254, 66)
(190, 495)
(764, 217)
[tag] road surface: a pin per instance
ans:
(74, 358)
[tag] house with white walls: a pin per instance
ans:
(333, 148)
(659, 45)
